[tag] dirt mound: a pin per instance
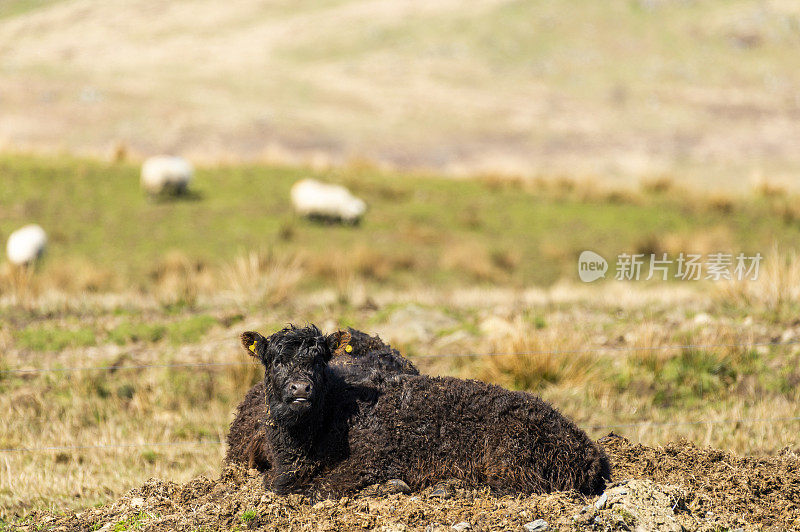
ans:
(677, 487)
(763, 491)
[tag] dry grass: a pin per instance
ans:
(79, 275)
(721, 202)
(769, 189)
(503, 181)
(657, 184)
(19, 283)
(263, 278)
(178, 279)
(361, 262)
(705, 241)
(469, 260)
(545, 357)
(776, 292)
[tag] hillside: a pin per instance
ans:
(619, 89)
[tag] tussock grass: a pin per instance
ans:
(774, 295)
(769, 189)
(547, 356)
(262, 278)
(657, 184)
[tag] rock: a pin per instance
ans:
(615, 493)
(454, 339)
(209, 509)
(323, 505)
(395, 486)
(463, 525)
(641, 505)
(390, 487)
(600, 503)
(393, 527)
(496, 327)
(440, 491)
(540, 525)
(137, 502)
(702, 319)
(415, 324)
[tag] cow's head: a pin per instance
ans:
(296, 377)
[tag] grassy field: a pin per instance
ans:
(626, 126)
(704, 91)
(438, 267)
(106, 235)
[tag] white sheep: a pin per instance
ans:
(326, 202)
(166, 174)
(26, 245)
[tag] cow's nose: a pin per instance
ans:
(300, 389)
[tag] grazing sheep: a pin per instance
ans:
(325, 202)
(330, 436)
(26, 245)
(166, 175)
(358, 357)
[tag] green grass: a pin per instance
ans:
(134, 522)
(695, 377)
(627, 518)
(189, 330)
(11, 8)
(57, 336)
(418, 229)
(149, 456)
(54, 339)
(694, 374)
(248, 516)
(137, 331)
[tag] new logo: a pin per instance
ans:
(591, 266)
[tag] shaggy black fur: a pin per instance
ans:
(247, 439)
(419, 429)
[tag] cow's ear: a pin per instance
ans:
(339, 343)
(256, 345)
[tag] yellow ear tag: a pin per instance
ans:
(348, 349)
(253, 347)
